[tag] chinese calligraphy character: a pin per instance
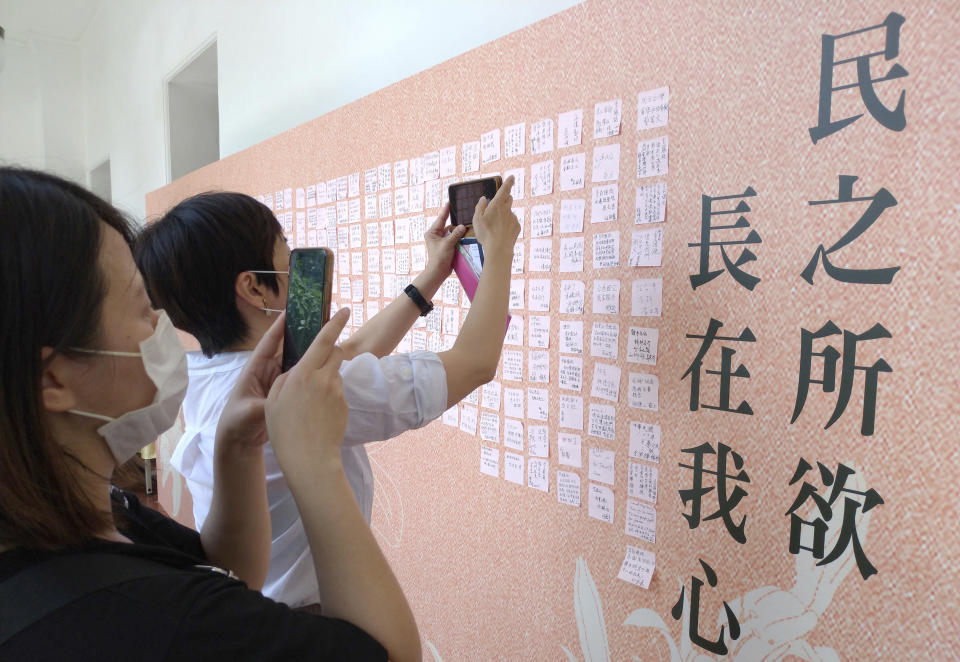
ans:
(706, 242)
(848, 529)
(895, 119)
(726, 372)
(726, 502)
(718, 647)
(880, 202)
(847, 372)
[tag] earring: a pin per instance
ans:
(265, 309)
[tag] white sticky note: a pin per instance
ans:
(541, 137)
(513, 434)
(513, 467)
(512, 365)
(606, 163)
(386, 204)
(401, 171)
(288, 197)
(647, 297)
(606, 118)
(519, 186)
(569, 449)
(569, 128)
(573, 171)
(311, 196)
(416, 197)
(514, 335)
(603, 421)
(638, 566)
(538, 474)
(490, 146)
(604, 340)
(571, 412)
(604, 203)
(538, 441)
(388, 261)
(450, 292)
(370, 206)
(418, 258)
(517, 289)
(541, 220)
(653, 107)
(642, 482)
(539, 331)
(431, 166)
(601, 467)
(606, 250)
(538, 367)
(541, 178)
(644, 390)
(370, 181)
(416, 170)
(652, 157)
(474, 397)
(373, 286)
(538, 400)
(432, 195)
(571, 254)
(568, 488)
(606, 382)
(468, 419)
(491, 392)
(301, 198)
(489, 427)
(383, 177)
(513, 402)
(600, 503)
(571, 215)
(572, 293)
(516, 264)
(514, 140)
(641, 521)
(356, 236)
(451, 417)
(571, 337)
(646, 248)
(343, 211)
(403, 261)
(470, 157)
(373, 260)
(447, 161)
(642, 345)
(489, 461)
(651, 204)
(606, 297)
(373, 234)
(539, 300)
(645, 441)
(570, 373)
(354, 184)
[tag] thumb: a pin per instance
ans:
(456, 234)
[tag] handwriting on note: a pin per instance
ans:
(568, 488)
(644, 391)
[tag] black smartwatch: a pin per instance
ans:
(424, 305)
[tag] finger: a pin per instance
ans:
(270, 345)
(319, 350)
(442, 217)
(456, 234)
(504, 191)
(482, 204)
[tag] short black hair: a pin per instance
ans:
(190, 260)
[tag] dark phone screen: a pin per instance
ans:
(307, 305)
(465, 196)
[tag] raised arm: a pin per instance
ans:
(472, 361)
(306, 416)
(382, 332)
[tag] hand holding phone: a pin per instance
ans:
(308, 301)
(465, 196)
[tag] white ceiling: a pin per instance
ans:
(57, 19)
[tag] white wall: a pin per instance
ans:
(281, 63)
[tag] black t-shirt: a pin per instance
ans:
(187, 614)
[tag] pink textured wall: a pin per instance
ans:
(490, 567)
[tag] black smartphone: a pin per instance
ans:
(465, 196)
(308, 301)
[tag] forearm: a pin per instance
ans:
(355, 579)
(382, 332)
(473, 359)
(236, 533)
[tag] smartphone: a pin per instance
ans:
(465, 196)
(308, 301)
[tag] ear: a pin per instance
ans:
(56, 395)
(249, 290)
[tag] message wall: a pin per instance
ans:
(725, 420)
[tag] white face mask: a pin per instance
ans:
(165, 361)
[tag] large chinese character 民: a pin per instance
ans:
(725, 502)
(848, 529)
(879, 202)
(707, 229)
(895, 119)
(718, 647)
(726, 371)
(848, 370)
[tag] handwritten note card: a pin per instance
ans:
(652, 157)
(601, 465)
(541, 220)
(652, 108)
(642, 345)
(541, 137)
(571, 373)
(646, 248)
(539, 295)
(642, 482)
(644, 391)
(568, 488)
(602, 421)
(490, 427)
(572, 296)
(604, 340)
(538, 474)
(539, 367)
(513, 433)
(470, 157)
(537, 404)
(572, 171)
(401, 171)
(569, 128)
(541, 178)
(517, 288)
(514, 334)
(468, 419)
(647, 297)
(539, 331)
(571, 337)
(606, 297)
(571, 254)
(489, 460)
(600, 505)
(514, 140)
(641, 521)
(606, 118)
(571, 412)
(513, 467)
(490, 146)
(512, 365)
(606, 163)
(637, 567)
(569, 449)
(644, 441)
(571, 215)
(491, 395)
(513, 402)
(606, 382)
(604, 204)
(651, 203)
(538, 441)
(606, 250)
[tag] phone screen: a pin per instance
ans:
(308, 301)
(465, 196)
